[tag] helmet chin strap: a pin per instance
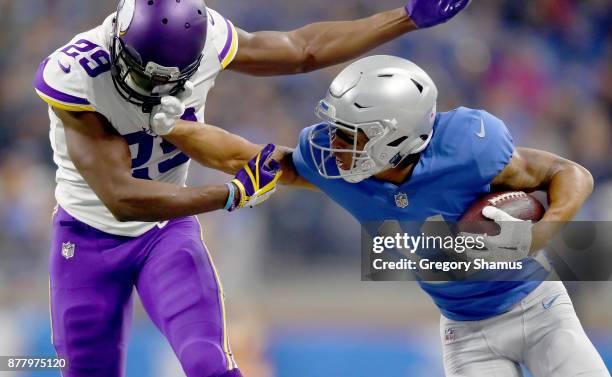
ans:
(416, 147)
(358, 174)
(161, 90)
(158, 90)
(353, 177)
(424, 145)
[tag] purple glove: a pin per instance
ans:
(427, 13)
(255, 182)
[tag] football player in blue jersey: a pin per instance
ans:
(381, 139)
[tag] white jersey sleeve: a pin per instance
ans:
(63, 79)
(225, 37)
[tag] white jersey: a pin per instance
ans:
(77, 77)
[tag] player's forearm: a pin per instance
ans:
(329, 43)
(290, 176)
(316, 45)
(212, 147)
(218, 149)
(567, 191)
(141, 200)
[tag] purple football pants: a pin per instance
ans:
(92, 276)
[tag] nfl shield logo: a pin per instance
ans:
(449, 335)
(401, 200)
(67, 250)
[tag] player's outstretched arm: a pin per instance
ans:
(221, 150)
(567, 184)
(322, 44)
(293, 178)
(103, 158)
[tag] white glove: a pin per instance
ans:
(164, 116)
(511, 244)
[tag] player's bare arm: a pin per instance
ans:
(103, 159)
(322, 44)
(291, 176)
(316, 45)
(219, 149)
(567, 184)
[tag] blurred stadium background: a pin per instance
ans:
(291, 267)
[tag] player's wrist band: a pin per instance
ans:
(230, 197)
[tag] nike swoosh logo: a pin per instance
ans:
(548, 304)
(481, 134)
(63, 67)
(162, 224)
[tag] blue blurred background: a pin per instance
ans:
(291, 268)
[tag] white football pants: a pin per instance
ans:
(541, 332)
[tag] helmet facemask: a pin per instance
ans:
(145, 85)
(155, 47)
(361, 165)
(374, 157)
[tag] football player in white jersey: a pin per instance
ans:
(124, 216)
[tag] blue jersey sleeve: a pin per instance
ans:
(494, 149)
(482, 143)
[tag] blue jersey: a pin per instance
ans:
(454, 170)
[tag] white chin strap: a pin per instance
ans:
(159, 90)
(353, 177)
(424, 145)
(358, 174)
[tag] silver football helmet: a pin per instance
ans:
(391, 100)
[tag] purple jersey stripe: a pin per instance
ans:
(42, 86)
(228, 42)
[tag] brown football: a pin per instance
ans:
(516, 203)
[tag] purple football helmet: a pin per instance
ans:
(156, 47)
